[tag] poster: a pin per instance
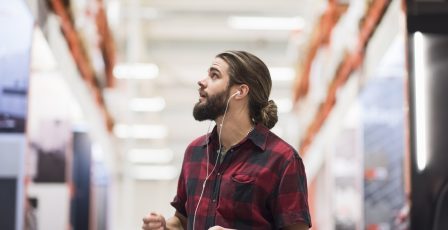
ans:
(15, 51)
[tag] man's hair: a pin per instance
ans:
(246, 68)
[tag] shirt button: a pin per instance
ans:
(219, 174)
(214, 200)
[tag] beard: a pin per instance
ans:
(212, 108)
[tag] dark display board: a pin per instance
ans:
(8, 190)
(82, 164)
(428, 108)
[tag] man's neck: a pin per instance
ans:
(234, 129)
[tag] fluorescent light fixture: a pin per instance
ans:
(136, 71)
(265, 23)
(140, 131)
(284, 105)
(155, 104)
(150, 156)
(149, 13)
(282, 73)
(155, 172)
(421, 102)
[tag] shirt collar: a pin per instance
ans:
(258, 136)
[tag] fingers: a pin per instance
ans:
(152, 217)
(152, 226)
(153, 221)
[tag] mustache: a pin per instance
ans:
(202, 93)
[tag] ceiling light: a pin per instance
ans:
(282, 73)
(265, 23)
(154, 156)
(155, 172)
(136, 71)
(149, 13)
(140, 131)
(155, 104)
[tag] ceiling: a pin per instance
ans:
(181, 37)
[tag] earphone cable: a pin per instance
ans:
(217, 158)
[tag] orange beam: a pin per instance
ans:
(80, 57)
(350, 63)
(320, 36)
(107, 44)
(73, 41)
(407, 155)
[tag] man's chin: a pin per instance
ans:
(201, 118)
(198, 116)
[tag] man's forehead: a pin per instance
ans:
(219, 64)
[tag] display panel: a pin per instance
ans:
(14, 65)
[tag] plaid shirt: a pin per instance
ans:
(260, 184)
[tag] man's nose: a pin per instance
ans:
(202, 83)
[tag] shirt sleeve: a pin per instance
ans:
(180, 199)
(290, 200)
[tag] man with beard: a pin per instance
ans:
(241, 175)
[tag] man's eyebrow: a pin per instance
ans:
(211, 69)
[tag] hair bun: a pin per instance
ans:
(269, 114)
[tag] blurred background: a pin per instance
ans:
(96, 101)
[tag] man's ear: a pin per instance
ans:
(243, 91)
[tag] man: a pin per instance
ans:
(241, 175)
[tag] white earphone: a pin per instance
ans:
(237, 93)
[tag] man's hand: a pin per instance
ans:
(154, 221)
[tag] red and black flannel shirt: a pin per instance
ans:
(260, 184)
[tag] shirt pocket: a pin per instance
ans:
(243, 178)
(238, 189)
